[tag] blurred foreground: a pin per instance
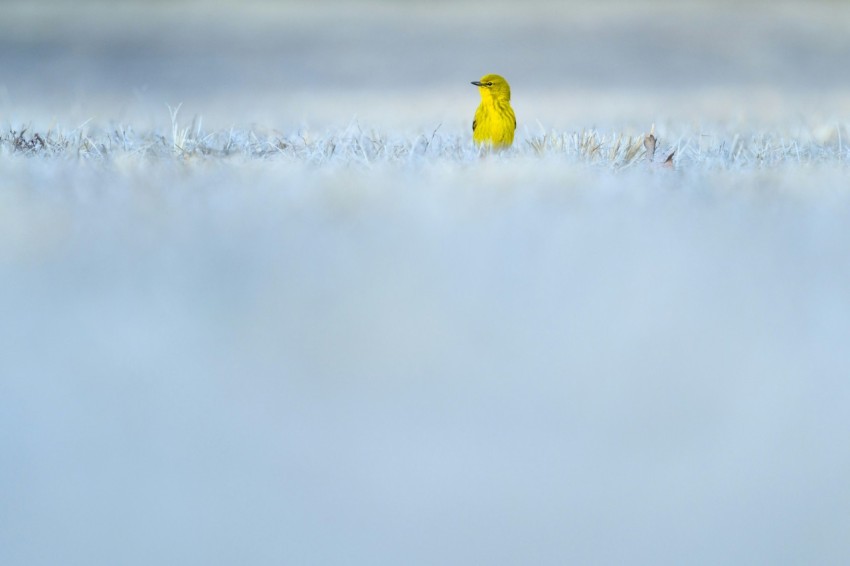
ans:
(504, 362)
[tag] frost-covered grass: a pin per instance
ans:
(717, 147)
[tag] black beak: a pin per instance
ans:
(476, 83)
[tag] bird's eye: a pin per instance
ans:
(490, 84)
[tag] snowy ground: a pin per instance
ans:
(337, 335)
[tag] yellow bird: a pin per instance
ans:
(494, 122)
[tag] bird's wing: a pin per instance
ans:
(479, 117)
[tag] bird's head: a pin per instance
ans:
(493, 86)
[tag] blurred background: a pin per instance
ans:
(517, 360)
(408, 64)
